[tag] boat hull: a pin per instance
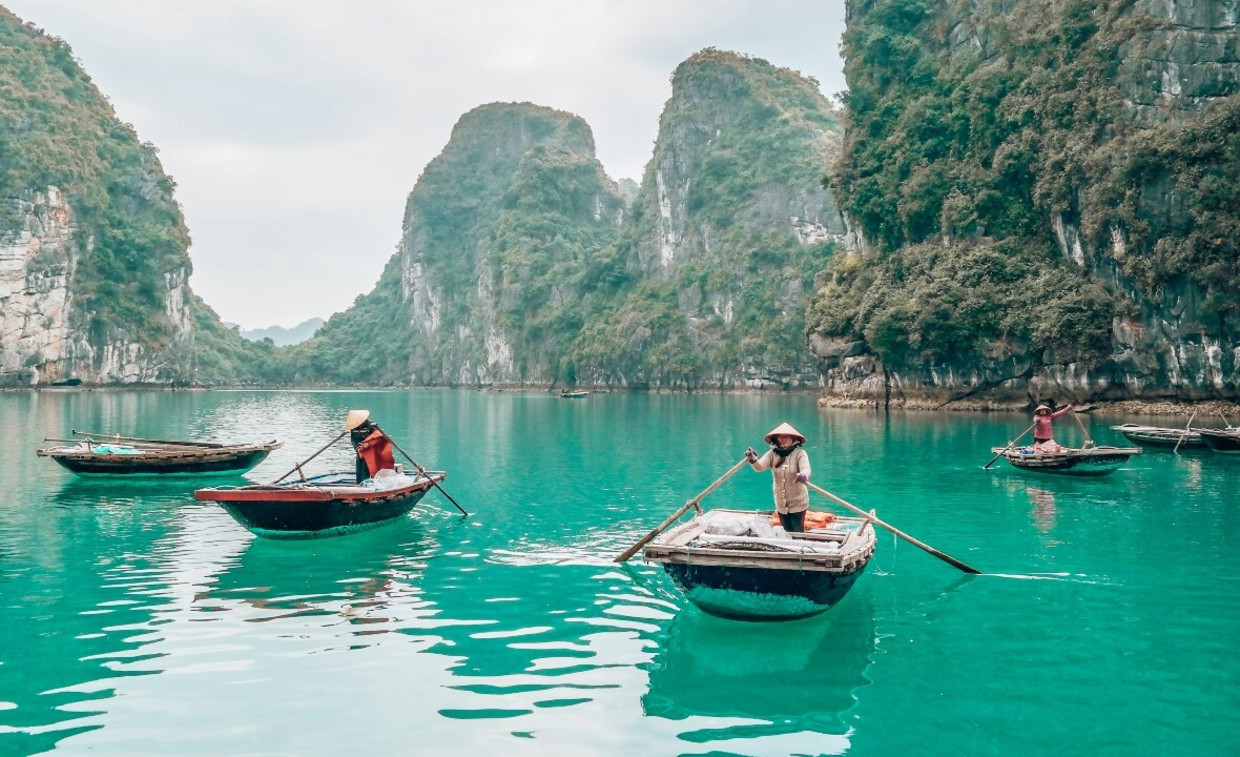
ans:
(732, 564)
(740, 593)
(1161, 438)
(1219, 440)
(127, 465)
(330, 507)
(1096, 461)
(83, 459)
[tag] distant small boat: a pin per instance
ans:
(1225, 440)
(1155, 436)
(328, 505)
(725, 564)
(115, 455)
(574, 395)
(1087, 461)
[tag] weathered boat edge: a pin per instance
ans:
(751, 585)
(319, 507)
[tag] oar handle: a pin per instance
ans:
(297, 467)
(118, 437)
(1185, 432)
(1009, 445)
(676, 515)
(921, 545)
(1088, 442)
(422, 471)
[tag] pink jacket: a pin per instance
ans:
(1042, 424)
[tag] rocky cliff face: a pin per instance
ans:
(499, 232)
(93, 264)
(1138, 205)
(522, 263)
(728, 228)
(41, 336)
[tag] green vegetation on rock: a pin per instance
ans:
(962, 155)
(56, 129)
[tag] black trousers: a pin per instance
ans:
(792, 521)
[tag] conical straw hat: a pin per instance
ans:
(784, 428)
(355, 418)
(1041, 409)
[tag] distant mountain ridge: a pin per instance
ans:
(282, 336)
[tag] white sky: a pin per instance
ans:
(295, 129)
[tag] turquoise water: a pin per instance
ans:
(137, 621)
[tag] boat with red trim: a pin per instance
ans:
(326, 505)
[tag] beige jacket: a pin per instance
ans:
(791, 496)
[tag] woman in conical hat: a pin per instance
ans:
(1042, 417)
(374, 449)
(790, 472)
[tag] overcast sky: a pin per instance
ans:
(295, 129)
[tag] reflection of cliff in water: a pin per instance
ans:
(798, 676)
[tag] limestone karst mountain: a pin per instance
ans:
(522, 263)
(1045, 198)
(94, 267)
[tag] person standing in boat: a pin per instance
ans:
(374, 449)
(790, 472)
(1043, 439)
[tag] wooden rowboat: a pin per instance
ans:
(724, 563)
(1225, 440)
(326, 505)
(127, 456)
(1154, 436)
(574, 395)
(1088, 461)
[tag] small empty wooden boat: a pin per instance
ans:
(1155, 436)
(1086, 461)
(115, 455)
(574, 395)
(1226, 440)
(735, 564)
(326, 505)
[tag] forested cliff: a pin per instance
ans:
(1045, 194)
(521, 263)
(93, 263)
(1036, 200)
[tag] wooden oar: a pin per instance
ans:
(945, 558)
(1009, 446)
(691, 503)
(1088, 442)
(297, 467)
(1187, 426)
(118, 437)
(423, 471)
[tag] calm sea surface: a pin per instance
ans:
(137, 621)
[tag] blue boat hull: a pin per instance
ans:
(742, 593)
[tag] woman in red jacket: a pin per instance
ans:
(1043, 441)
(374, 449)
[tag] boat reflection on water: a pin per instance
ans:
(795, 680)
(100, 490)
(371, 579)
(1044, 510)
